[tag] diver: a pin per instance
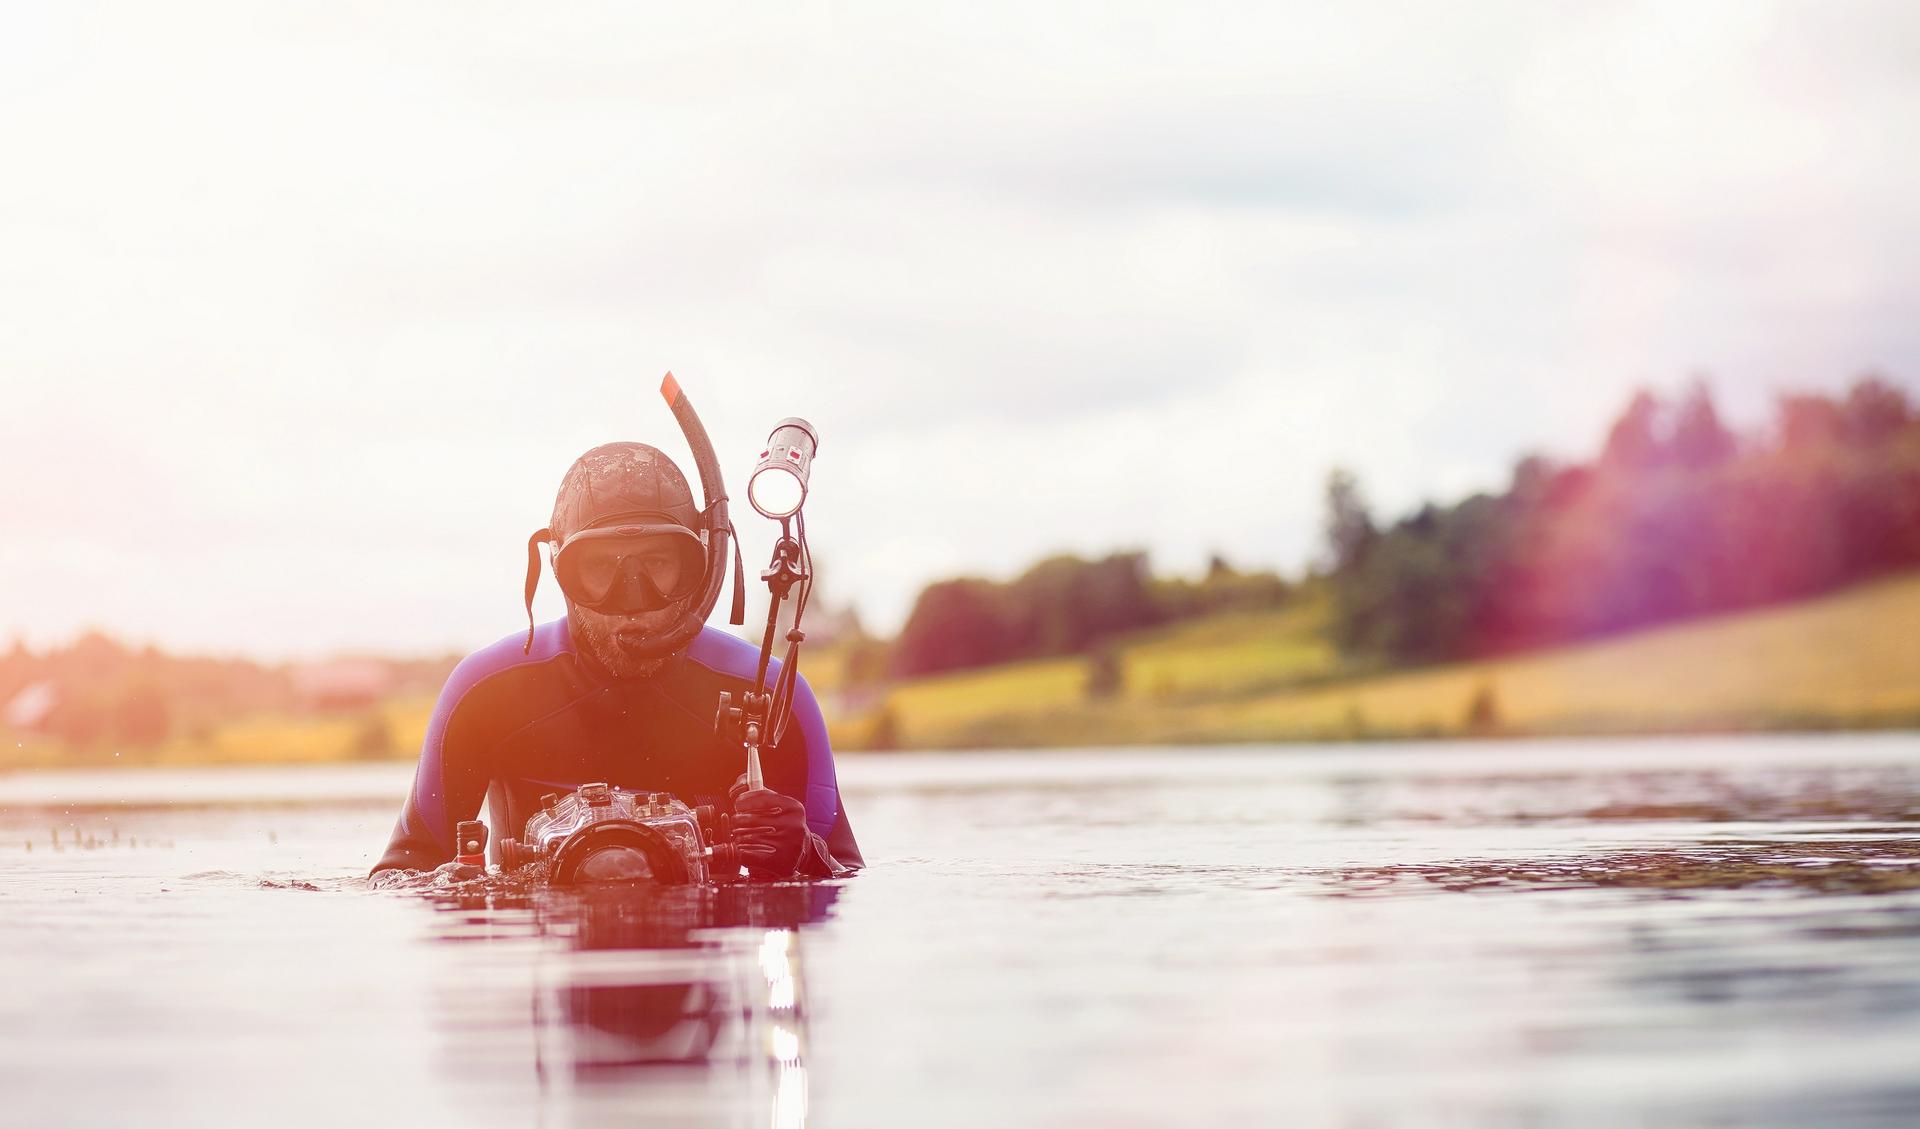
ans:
(621, 689)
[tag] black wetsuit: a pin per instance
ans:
(513, 726)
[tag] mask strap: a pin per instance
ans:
(739, 580)
(533, 579)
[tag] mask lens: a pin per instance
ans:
(595, 568)
(663, 560)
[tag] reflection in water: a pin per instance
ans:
(1829, 866)
(686, 1001)
(1772, 977)
(1878, 794)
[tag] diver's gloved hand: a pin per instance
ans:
(769, 831)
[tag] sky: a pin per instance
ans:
(304, 311)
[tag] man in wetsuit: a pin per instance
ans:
(590, 698)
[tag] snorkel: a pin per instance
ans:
(719, 526)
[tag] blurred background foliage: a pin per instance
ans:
(1678, 517)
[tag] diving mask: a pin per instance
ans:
(631, 567)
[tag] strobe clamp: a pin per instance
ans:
(742, 724)
(786, 569)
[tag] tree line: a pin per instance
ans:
(1678, 516)
(1063, 605)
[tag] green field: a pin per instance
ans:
(391, 729)
(1851, 659)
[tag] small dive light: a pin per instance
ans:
(778, 484)
(470, 843)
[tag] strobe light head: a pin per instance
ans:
(778, 486)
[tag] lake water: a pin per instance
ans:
(1716, 932)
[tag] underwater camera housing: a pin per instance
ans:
(599, 833)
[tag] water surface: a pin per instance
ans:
(1667, 932)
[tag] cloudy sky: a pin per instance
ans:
(302, 316)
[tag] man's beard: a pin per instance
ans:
(611, 639)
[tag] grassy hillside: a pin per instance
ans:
(1844, 660)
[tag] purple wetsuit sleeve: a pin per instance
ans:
(831, 834)
(823, 786)
(452, 776)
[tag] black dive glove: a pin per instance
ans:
(769, 832)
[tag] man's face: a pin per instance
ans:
(619, 572)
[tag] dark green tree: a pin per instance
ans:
(1349, 527)
(1700, 440)
(1634, 443)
